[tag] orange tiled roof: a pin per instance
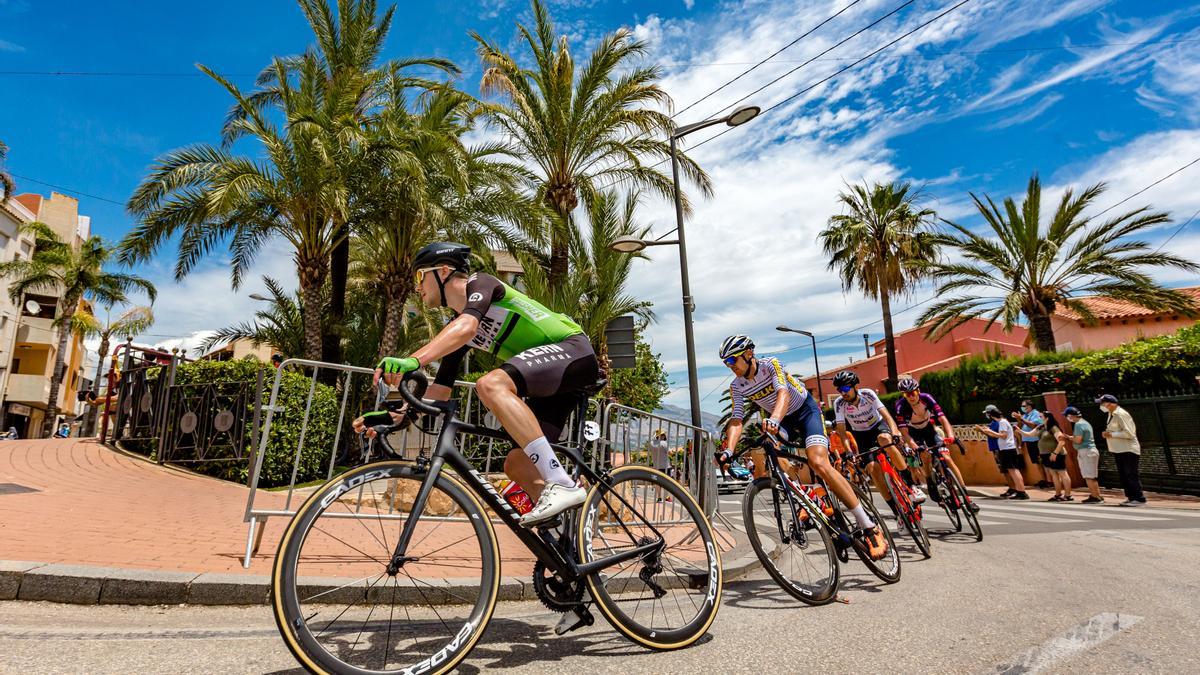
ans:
(31, 201)
(1108, 308)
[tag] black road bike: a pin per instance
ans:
(801, 536)
(949, 491)
(394, 566)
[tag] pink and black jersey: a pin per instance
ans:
(917, 415)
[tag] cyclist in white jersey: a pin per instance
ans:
(792, 413)
(871, 425)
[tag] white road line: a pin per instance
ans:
(1082, 512)
(986, 511)
(1081, 638)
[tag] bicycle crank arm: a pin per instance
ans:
(574, 619)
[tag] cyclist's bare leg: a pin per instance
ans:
(818, 461)
(518, 467)
(498, 393)
(760, 465)
(877, 477)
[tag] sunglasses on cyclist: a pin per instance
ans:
(730, 360)
(421, 274)
(845, 389)
(910, 394)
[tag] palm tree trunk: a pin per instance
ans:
(60, 361)
(90, 425)
(396, 291)
(559, 259)
(1043, 332)
(339, 268)
(889, 339)
(312, 276)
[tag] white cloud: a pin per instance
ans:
(6, 46)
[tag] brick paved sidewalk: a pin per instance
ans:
(78, 502)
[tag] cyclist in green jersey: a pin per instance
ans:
(548, 360)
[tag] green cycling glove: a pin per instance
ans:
(392, 364)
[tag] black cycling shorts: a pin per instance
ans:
(926, 435)
(551, 376)
(867, 439)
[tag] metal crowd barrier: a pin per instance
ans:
(487, 454)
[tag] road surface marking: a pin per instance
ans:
(1082, 637)
(992, 512)
(1081, 512)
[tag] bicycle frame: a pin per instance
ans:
(880, 457)
(542, 544)
(773, 455)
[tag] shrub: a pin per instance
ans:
(285, 427)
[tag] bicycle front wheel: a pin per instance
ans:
(947, 499)
(336, 606)
(886, 568)
(797, 553)
(963, 505)
(667, 597)
(909, 514)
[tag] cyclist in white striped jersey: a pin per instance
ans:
(792, 414)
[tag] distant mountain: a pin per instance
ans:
(709, 420)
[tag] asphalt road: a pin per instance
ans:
(1049, 589)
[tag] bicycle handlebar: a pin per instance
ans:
(414, 400)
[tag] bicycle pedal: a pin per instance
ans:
(574, 619)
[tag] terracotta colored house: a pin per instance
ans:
(916, 355)
(1117, 322)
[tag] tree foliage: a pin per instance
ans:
(1022, 268)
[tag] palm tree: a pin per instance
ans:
(280, 325)
(595, 293)
(207, 195)
(878, 245)
(581, 129)
(131, 322)
(76, 274)
(7, 185)
(349, 43)
(427, 185)
(1020, 268)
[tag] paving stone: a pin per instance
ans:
(145, 587)
(77, 584)
(229, 589)
(11, 572)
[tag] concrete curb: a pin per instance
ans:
(84, 585)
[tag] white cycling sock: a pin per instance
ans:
(860, 515)
(546, 462)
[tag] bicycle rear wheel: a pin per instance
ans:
(963, 506)
(909, 515)
(663, 599)
(799, 555)
(338, 609)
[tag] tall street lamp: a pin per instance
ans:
(785, 329)
(633, 245)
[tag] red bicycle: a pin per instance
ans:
(908, 513)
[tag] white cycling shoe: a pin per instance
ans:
(918, 495)
(554, 500)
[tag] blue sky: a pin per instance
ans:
(1087, 90)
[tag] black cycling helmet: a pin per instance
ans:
(457, 256)
(734, 345)
(908, 384)
(846, 378)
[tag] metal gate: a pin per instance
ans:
(1168, 430)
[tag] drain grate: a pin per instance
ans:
(14, 489)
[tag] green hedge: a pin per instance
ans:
(285, 427)
(1149, 367)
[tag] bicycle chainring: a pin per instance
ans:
(556, 594)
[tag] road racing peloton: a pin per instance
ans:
(870, 425)
(791, 413)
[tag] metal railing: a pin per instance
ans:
(625, 438)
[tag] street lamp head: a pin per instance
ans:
(783, 329)
(260, 298)
(627, 244)
(742, 115)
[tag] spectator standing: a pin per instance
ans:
(1052, 445)
(1121, 433)
(1086, 453)
(1000, 431)
(660, 457)
(1031, 430)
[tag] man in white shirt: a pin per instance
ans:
(1000, 437)
(1121, 433)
